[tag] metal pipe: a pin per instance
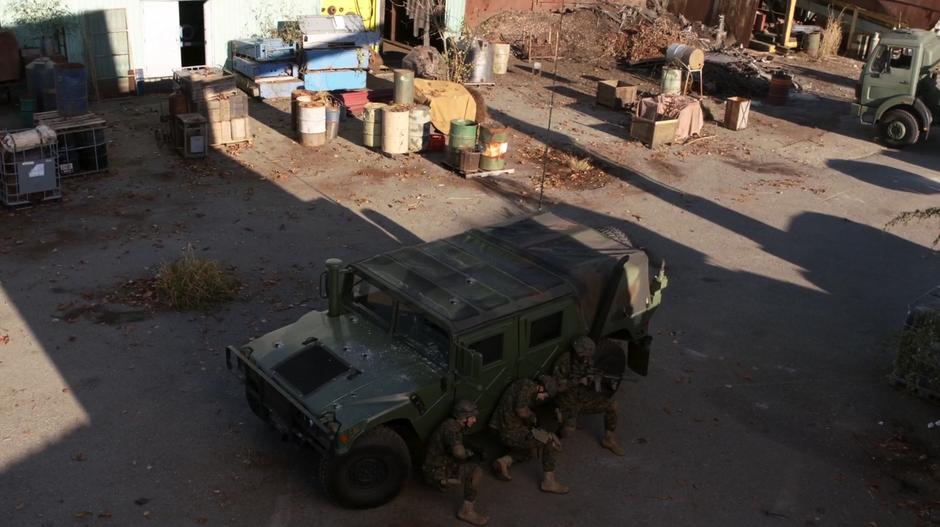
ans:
(333, 289)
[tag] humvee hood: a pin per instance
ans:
(343, 363)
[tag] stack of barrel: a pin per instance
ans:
(467, 155)
(316, 118)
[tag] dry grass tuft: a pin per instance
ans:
(831, 36)
(192, 283)
(577, 164)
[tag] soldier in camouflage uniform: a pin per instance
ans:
(575, 374)
(447, 461)
(516, 425)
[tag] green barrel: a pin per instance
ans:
(495, 143)
(463, 134)
(404, 87)
(27, 108)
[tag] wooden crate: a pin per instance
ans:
(736, 113)
(615, 94)
(653, 133)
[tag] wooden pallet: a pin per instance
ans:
(78, 123)
(479, 173)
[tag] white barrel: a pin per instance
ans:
(672, 81)
(395, 129)
(500, 58)
(691, 56)
(311, 118)
(419, 128)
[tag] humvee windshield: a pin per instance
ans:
(424, 337)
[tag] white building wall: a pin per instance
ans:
(225, 20)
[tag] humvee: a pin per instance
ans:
(409, 332)
(899, 90)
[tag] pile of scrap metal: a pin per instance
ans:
(740, 72)
(321, 53)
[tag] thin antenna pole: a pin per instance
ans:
(551, 109)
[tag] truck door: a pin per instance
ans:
(542, 337)
(485, 365)
(890, 72)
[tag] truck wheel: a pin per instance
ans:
(372, 473)
(899, 128)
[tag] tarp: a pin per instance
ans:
(28, 139)
(448, 101)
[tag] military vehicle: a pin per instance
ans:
(408, 332)
(899, 90)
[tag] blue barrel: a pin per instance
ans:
(71, 89)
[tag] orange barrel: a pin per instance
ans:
(779, 92)
(495, 143)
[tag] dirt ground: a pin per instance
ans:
(766, 403)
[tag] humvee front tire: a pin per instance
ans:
(372, 473)
(899, 128)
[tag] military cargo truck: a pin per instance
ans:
(409, 332)
(899, 90)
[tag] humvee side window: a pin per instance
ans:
(545, 329)
(375, 301)
(491, 348)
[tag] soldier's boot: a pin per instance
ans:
(469, 514)
(501, 468)
(610, 443)
(550, 484)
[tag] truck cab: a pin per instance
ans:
(409, 332)
(897, 90)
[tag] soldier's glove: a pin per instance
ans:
(532, 420)
(470, 453)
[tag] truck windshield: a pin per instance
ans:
(427, 338)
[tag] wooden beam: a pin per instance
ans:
(788, 25)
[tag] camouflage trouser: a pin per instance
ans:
(443, 476)
(522, 446)
(582, 400)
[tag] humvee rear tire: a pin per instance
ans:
(899, 128)
(372, 473)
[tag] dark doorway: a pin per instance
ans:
(192, 33)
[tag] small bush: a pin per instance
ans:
(577, 164)
(192, 283)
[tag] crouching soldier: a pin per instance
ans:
(447, 461)
(517, 427)
(580, 393)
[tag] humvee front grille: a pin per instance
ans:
(310, 368)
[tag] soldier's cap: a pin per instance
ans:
(584, 346)
(464, 408)
(548, 382)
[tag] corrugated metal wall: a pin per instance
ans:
(226, 20)
(739, 14)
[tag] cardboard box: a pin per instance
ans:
(615, 94)
(653, 133)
